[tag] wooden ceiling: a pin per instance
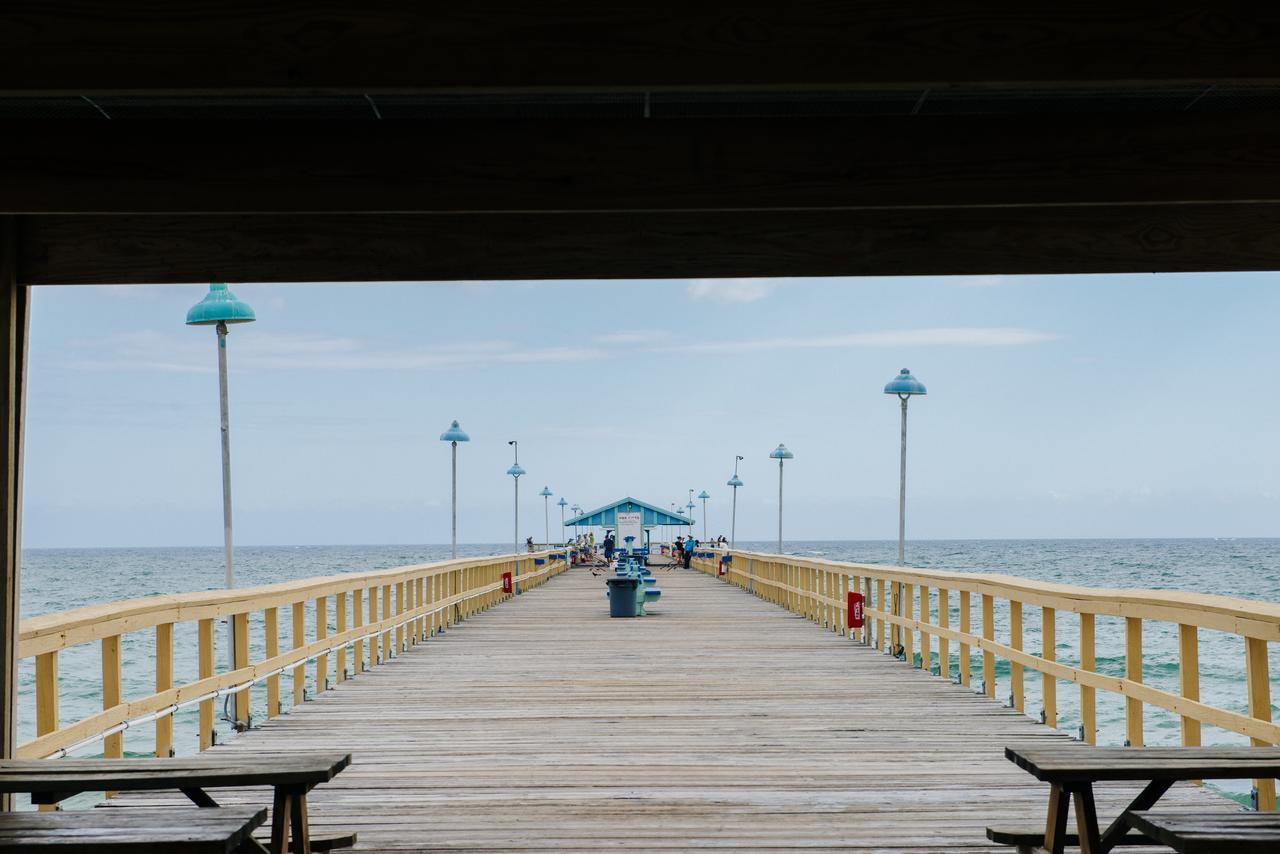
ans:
(160, 142)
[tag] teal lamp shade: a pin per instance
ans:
(691, 505)
(577, 511)
(454, 434)
(515, 470)
(904, 384)
(781, 453)
(734, 481)
(545, 493)
(562, 503)
(220, 306)
(703, 495)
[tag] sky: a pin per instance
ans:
(1057, 406)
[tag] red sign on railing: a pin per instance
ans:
(506, 582)
(855, 610)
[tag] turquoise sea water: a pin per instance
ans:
(59, 579)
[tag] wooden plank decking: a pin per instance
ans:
(719, 722)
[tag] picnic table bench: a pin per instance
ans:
(1071, 770)
(144, 831)
(291, 776)
(1198, 832)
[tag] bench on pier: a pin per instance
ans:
(132, 831)
(1072, 769)
(290, 775)
(1030, 838)
(1199, 832)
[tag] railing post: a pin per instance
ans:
(1189, 679)
(989, 634)
(299, 639)
(944, 643)
(357, 620)
(866, 598)
(164, 681)
(386, 612)
(1049, 652)
(112, 745)
(1088, 698)
(1255, 663)
(373, 619)
(1133, 672)
(926, 657)
(880, 603)
(340, 606)
(420, 600)
(908, 634)
(399, 612)
(47, 700)
(322, 632)
(240, 626)
(966, 627)
(1016, 687)
(271, 620)
(205, 642)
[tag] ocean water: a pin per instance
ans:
(59, 579)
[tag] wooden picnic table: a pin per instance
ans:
(1071, 771)
(291, 775)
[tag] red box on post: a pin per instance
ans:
(855, 610)
(506, 582)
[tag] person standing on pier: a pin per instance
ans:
(689, 545)
(608, 547)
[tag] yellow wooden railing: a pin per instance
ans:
(371, 615)
(911, 609)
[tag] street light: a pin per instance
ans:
(904, 386)
(563, 504)
(704, 496)
(454, 435)
(515, 471)
(546, 524)
(219, 308)
(780, 453)
(690, 507)
(577, 526)
(735, 483)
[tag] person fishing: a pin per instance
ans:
(689, 545)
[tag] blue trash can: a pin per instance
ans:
(622, 596)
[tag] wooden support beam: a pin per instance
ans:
(277, 248)
(693, 165)
(399, 45)
(14, 313)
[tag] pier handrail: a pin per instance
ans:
(415, 603)
(900, 603)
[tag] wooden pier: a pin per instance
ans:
(721, 721)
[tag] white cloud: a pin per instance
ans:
(952, 336)
(171, 353)
(730, 290)
(936, 337)
(632, 336)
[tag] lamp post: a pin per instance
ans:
(690, 507)
(546, 519)
(780, 453)
(704, 496)
(577, 526)
(453, 436)
(515, 471)
(904, 386)
(733, 519)
(219, 308)
(562, 504)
